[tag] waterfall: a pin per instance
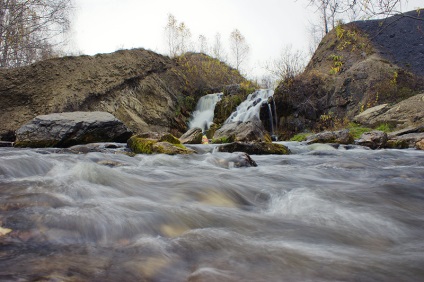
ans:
(202, 117)
(271, 120)
(249, 110)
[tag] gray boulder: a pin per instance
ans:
(243, 132)
(72, 128)
(192, 136)
(374, 139)
(339, 137)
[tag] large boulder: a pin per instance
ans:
(374, 139)
(192, 136)
(255, 148)
(69, 129)
(339, 137)
(243, 132)
(405, 138)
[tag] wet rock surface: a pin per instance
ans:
(255, 148)
(73, 128)
(374, 139)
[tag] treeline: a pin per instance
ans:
(179, 41)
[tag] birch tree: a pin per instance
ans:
(30, 30)
(239, 48)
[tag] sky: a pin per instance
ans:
(104, 26)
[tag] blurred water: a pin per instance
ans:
(203, 115)
(321, 214)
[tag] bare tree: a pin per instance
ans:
(203, 44)
(239, 48)
(184, 34)
(31, 29)
(218, 49)
(289, 64)
(178, 37)
(171, 33)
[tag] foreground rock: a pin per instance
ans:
(243, 132)
(340, 137)
(166, 144)
(374, 139)
(192, 136)
(68, 129)
(237, 160)
(257, 148)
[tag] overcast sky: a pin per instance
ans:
(103, 26)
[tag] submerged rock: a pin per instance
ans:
(140, 145)
(69, 129)
(374, 139)
(192, 136)
(261, 148)
(237, 160)
(339, 137)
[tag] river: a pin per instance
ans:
(319, 214)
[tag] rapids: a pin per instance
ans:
(319, 214)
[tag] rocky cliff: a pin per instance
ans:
(356, 66)
(145, 90)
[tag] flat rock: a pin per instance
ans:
(256, 148)
(371, 113)
(72, 128)
(338, 137)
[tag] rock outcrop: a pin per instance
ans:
(145, 90)
(407, 113)
(356, 67)
(69, 129)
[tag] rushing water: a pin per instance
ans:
(203, 115)
(319, 214)
(249, 109)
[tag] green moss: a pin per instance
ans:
(170, 139)
(141, 145)
(223, 140)
(300, 137)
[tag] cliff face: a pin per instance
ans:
(145, 90)
(356, 66)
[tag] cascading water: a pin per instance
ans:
(249, 110)
(202, 117)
